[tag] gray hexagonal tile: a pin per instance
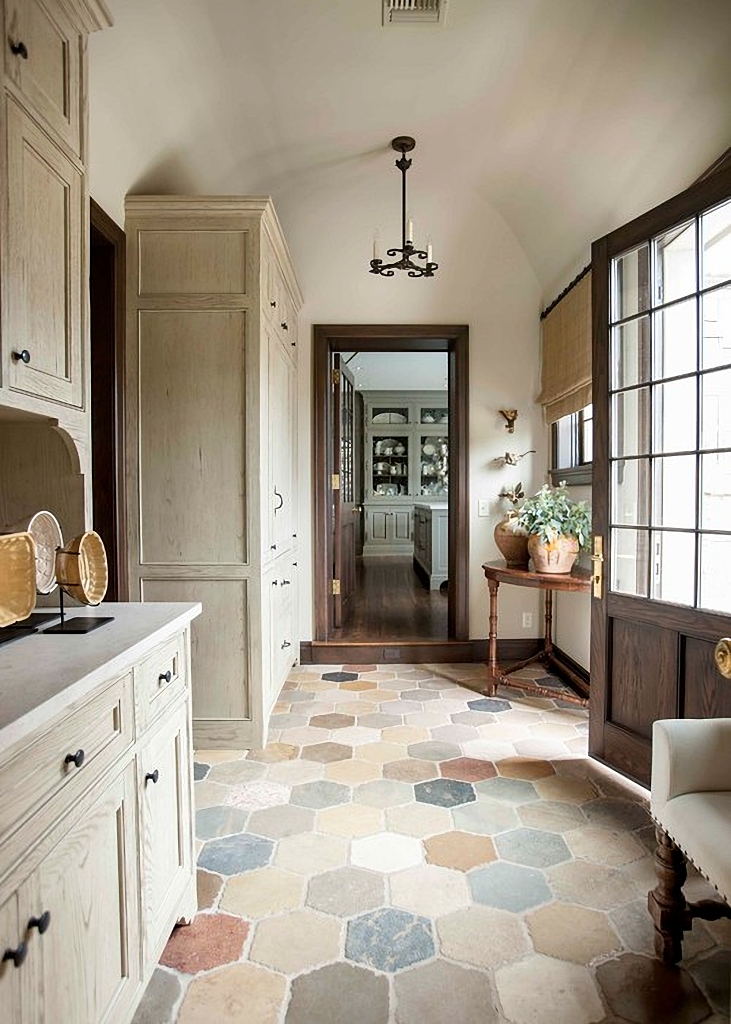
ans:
(346, 892)
(277, 822)
(509, 886)
(389, 940)
(444, 792)
(319, 794)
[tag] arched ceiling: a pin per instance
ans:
(567, 116)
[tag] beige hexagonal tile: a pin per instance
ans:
(310, 854)
(237, 995)
(483, 936)
(604, 845)
(526, 768)
(353, 773)
(572, 933)
(296, 941)
(430, 890)
(405, 734)
(592, 885)
(420, 820)
(566, 790)
(541, 990)
(350, 820)
(460, 850)
(257, 894)
(209, 794)
(380, 753)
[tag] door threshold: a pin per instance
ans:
(395, 652)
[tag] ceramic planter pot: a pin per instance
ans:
(512, 546)
(557, 557)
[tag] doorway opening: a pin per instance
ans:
(391, 506)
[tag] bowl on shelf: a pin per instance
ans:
(17, 577)
(81, 568)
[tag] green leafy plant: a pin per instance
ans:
(550, 514)
(514, 495)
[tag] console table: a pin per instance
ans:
(497, 573)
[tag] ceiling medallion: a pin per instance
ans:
(403, 144)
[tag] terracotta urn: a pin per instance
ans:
(558, 557)
(513, 546)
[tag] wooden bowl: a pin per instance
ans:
(17, 577)
(81, 568)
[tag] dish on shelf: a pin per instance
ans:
(46, 532)
(17, 577)
(82, 569)
(429, 449)
(389, 417)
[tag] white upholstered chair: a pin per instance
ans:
(691, 806)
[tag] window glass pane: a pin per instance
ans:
(715, 573)
(673, 567)
(716, 235)
(434, 478)
(717, 328)
(675, 340)
(674, 416)
(673, 495)
(716, 409)
(631, 422)
(675, 257)
(631, 353)
(587, 439)
(629, 562)
(565, 442)
(630, 278)
(716, 491)
(631, 492)
(439, 415)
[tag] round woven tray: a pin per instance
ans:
(81, 568)
(46, 532)
(17, 577)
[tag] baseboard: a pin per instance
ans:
(411, 652)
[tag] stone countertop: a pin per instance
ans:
(42, 674)
(434, 506)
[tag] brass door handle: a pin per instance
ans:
(357, 509)
(722, 656)
(597, 558)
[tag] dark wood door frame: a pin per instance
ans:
(454, 341)
(107, 283)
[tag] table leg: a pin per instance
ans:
(548, 626)
(493, 670)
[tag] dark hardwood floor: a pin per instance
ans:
(391, 603)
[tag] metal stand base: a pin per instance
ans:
(35, 620)
(76, 624)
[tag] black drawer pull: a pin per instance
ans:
(41, 923)
(152, 776)
(17, 955)
(77, 758)
(285, 327)
(22, 356)
(286, 583)
(165, 677)
(286, 644)
(19, 50)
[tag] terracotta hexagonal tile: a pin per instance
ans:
(210, 940)
(459, 850)
(528, 768)
(332, 721)
(467, 769)
(326, 752)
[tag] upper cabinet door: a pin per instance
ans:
(43, 60)
(41, 293)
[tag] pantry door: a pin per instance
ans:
(347, 495)
(662, 471)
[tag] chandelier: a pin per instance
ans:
(403, 144)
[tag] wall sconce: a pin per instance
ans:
(510, 416)
(512, 458)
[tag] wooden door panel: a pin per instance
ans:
(644, 662)
(705, 693)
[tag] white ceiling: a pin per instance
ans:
(397, 371)
(566, 116)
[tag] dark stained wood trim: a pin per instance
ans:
(114, 236)
(451, 339)
(720, 164)
(413, 652)
(710, 626)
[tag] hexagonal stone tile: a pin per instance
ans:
(378, 720)
(274, 752)
(429, 890)
(346, 892)
(380, 752)
(467, 769)
(420, 820)
(326, 752)
(252, 796)
(287, 720)
(509, 886)
(551, 816)
(350, 820)
(233, 854)
(332, 721)
(486, 817)
(645, 990)
(358, 735)
(492, 704)
(482, 936)
(340, 677)
(320, 794)
(277, 822)
(531, 847)
(618, 814)
(208, 887)
(210, 940)
(160, 997)
(360, 684)
(420, 694)
(432, 751)
(322, 995)
(383, 793)
(237, 994)
(444, 792)
(459, 850)
(528, 768)
(604, 845)
(592, 885)
(510, 791)
(573, 933)
(386, 852)
(411, 769)
(571, 791)
(234, 773)
(353, 773)
(713, 974)
(427, 994)
(219, 821)
(389, 939)
(549, 991)
(311, 853)
(262, 892)
(200, 771)
(295, 941)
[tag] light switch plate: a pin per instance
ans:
(483, 507)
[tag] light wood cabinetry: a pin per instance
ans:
(96, 851)
(431, 551)
(211, 443)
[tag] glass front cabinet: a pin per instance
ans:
(406, 459)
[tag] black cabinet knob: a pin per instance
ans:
(17, 955)
(152, 776)
(286, 583)
(273, 547)
(284, 325)
(286, 644)
(19, 50)
(165, 677)
(41, 923)
(273, 303)
(77, 758)
(22, 357)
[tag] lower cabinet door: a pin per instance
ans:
(165, 788)
(88, 956)
(14, 947)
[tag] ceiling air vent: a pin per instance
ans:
(414, 12)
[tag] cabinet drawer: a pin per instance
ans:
(161, 679)
(95, 733)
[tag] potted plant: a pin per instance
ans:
(557, 528)
(511, 538)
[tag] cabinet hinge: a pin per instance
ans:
(335, 374)
(336, 587)
(336, 481)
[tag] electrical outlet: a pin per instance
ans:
(483, 507)
(527, 620)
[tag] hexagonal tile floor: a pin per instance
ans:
(403, 852)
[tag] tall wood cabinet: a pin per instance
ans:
(211, 444)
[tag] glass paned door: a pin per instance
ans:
(670, 415)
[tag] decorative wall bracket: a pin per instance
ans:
(510, 416)
(513, 458)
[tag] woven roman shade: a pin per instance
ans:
(566, 353)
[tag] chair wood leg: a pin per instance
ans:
(666, 901)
